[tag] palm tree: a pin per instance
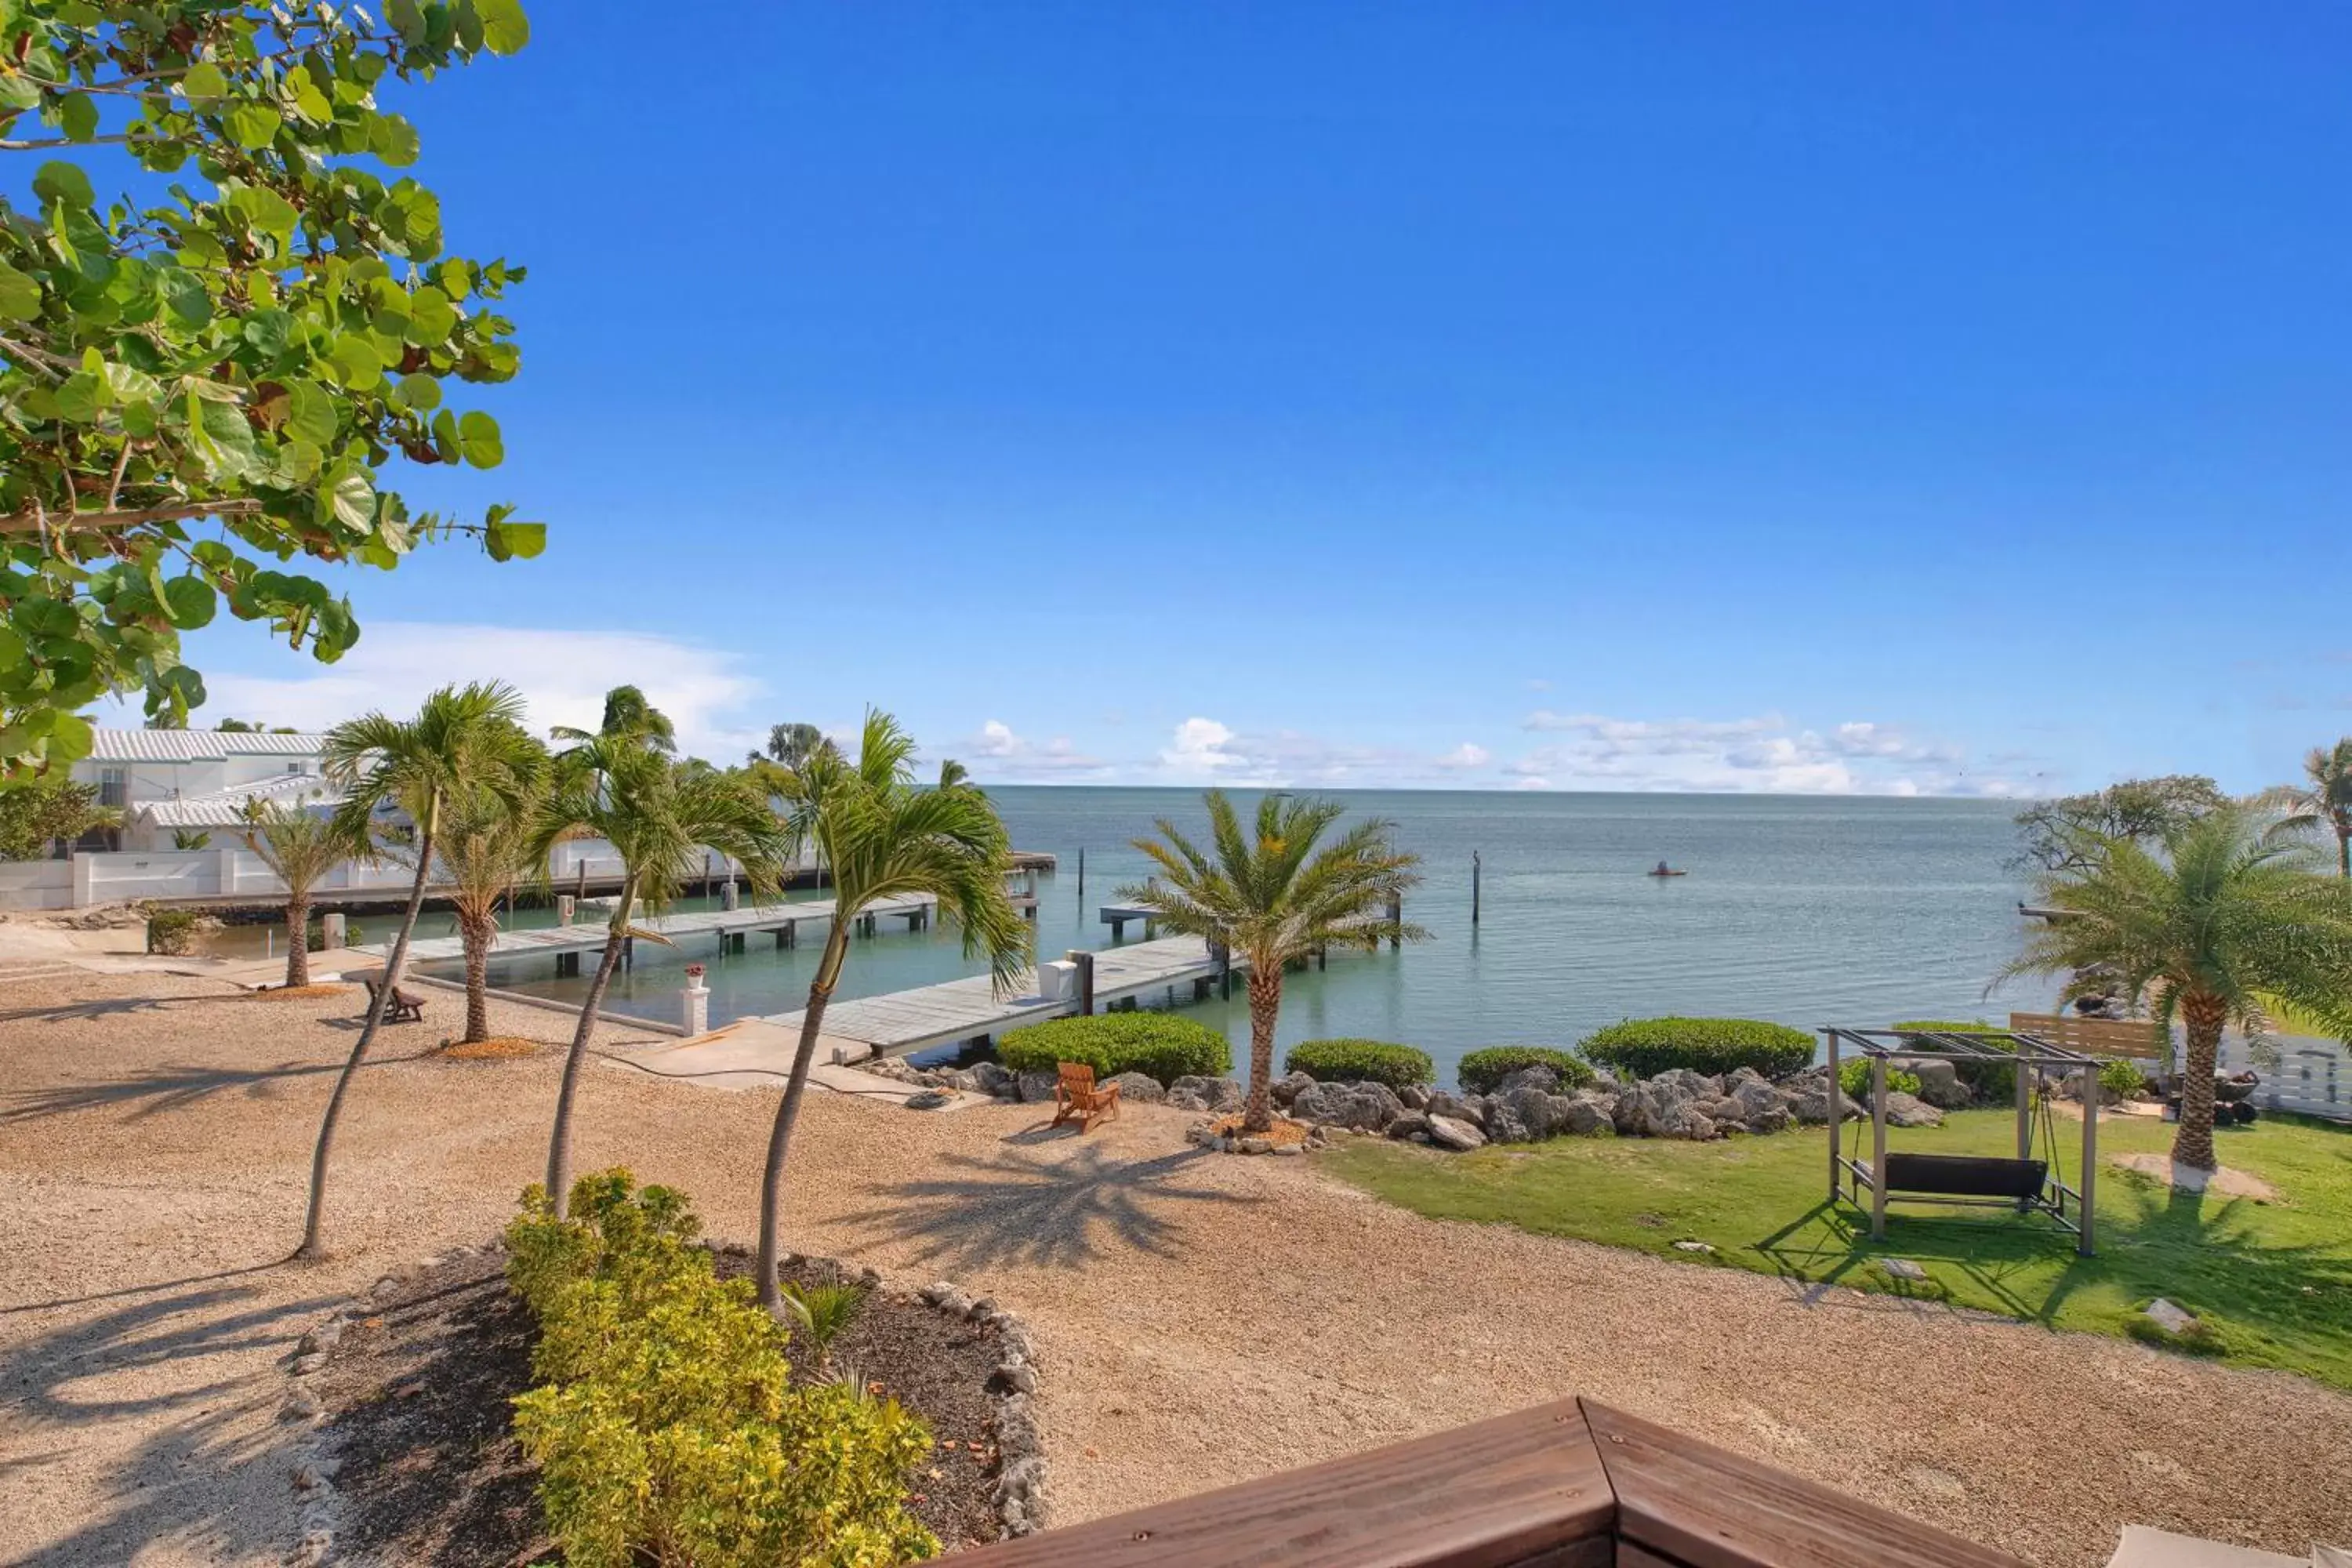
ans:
(2326, 798)
(883, 835)
(628, 717)
(2228, 911)
(663, 817)
(486, 845)
(464, 738)
(792, 744)
(1275, 899)
(301, 847)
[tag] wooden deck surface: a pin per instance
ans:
(956, 1010)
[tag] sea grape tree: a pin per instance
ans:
(225, 309)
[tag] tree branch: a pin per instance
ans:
(113, 521)
(123, 138)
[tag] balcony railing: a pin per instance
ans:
(1571, 1485)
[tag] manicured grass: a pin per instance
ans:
(2275, 1281)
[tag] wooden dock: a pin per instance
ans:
(731, 927)
(960, 1010)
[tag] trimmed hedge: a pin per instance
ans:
(1481, 1070)
(1647, 1046)
(1158, 1045)
(1345, 1061)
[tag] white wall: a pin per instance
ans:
(225, 870)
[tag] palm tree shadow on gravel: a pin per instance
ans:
(167, 1088)
(1017, 1211)
(45, 1382)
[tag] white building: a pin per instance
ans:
(186, 783)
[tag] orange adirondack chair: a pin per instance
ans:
(1079, 1098)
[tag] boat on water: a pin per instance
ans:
(1662, 869)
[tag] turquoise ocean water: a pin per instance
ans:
(1806, 910)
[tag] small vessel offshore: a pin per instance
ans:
(1662, 869)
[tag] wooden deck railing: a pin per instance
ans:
(1571, 1485)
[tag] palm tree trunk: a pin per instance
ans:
(477, 929)
(2193, 1143)
(297, 939)
(313, 1245)
(559, 1143)
(1265, 1006)
(2343, 850)
(772, 1180)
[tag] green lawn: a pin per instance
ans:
(2273, 1280)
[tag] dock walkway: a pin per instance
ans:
(964, 1009)
(730, 926)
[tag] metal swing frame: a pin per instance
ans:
(1849, 1176)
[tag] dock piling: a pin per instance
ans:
(1474, 887)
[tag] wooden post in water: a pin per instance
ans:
(1396, 916)
(1082, 872)
(1474, 887)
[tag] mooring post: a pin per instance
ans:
(1082, 872)
(1224, 957)
(1474, 887)
(581, 891)
(1396, 918)
(1085, 966)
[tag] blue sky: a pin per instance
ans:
(1948, 398)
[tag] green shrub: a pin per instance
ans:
(1854, 1080)
(821, 1311)
(1345, 1061)
(2122, 1080)
(1481, 1070)
(666, 1426)
(1993, 1083)
(1158, 1045)
(171, 931)
(1647, 1046)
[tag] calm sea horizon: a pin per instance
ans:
(1804, 909)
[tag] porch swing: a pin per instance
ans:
(2028, 1184)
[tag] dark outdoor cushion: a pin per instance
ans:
(1966, 1175)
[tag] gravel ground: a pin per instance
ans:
(1200, 1319)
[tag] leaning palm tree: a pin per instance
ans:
(882, 833)
(1274, 899)
(2227, 910)
(300, 846)
(627, 717)
(663, 817)
(2324, 799)
(487, 844)
(464, 738)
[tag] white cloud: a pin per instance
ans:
(1468, 755)
(1203, 748)
(562, 676)
(1763, 754)
(999, 755)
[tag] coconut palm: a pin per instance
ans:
(464, 738)
(486, 845)
(1274, 898)
(663, 817)
(882, 834)
(627, 717)
(2226, 910)
(2324, 799)
(301, 847)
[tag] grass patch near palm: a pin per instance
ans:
(2273, 1281)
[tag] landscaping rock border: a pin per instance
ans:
(1020, 1489)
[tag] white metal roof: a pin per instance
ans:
(197, 745)
(226, 807)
